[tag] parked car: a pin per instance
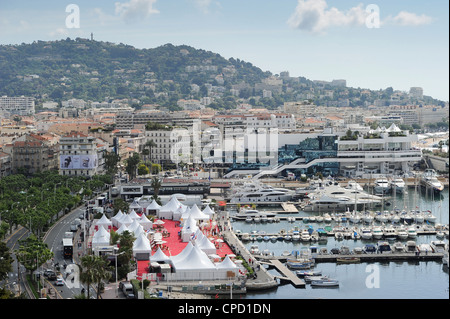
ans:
(59, 282)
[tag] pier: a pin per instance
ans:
(288, 275)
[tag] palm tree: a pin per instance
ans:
(156, 184)
(94, 269)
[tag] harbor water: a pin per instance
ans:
(376, 280)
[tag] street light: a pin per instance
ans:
(117, 287)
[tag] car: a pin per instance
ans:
(73, 228)
(59, 282)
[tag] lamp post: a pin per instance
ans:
(117, 287)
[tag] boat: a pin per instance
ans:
(398, 247)
(327, 218)
(418, 217)
(438, 246)
(398, 185)
(412, 233)
(245, 237)
(261, 194)
(339, 235)
(355, 218)
(356, 235)
(382, 185)
(319, 219)
(297, 264)
(305, 236)
(366, 233)
(353, 185)
(390, 233)
(288, 238)
(344, 250)
(254, 250)
(309, 279)
(367, 218)
(370, 249)
(430, 181)
(303, 273)
(425, 248)
(384, 247)
(285, 253)
(377, 232)
(325, 283)
(249, 219)
(273, 238)
(348, 260)
(402, 234)
(252, 213)
(411, 246)
(429, 217)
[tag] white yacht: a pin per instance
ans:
(398, 185)
(354, 186)
(430, 181)
(382, 185)
(389, 233)
(262, 195)
(402, 233)
(336, 198)
(412, 233)
(377, 232)
(305, 236)
(366, 233)
(253, 213)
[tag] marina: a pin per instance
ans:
(275, 244)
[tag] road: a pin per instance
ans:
(53, 239)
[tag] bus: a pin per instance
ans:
(67, 248)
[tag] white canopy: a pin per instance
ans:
(208, 211)
(159, 256)
(168, 209)
(104, 221)
(185, 252)
(134, 225)
(194, 261)
(123, 228)
(205, 244)
(153, 206)
(116, 218)
(101, 237)
(133, 215)
(142, 245)
(126, 220)
(135, 205)
(226, 263)
(190, 227)
(146, 223)
(197, 214)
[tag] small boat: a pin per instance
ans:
(368, 218)
(288, 238)
(384, 247)
(411, 246)
(426, 248)
(273, 238)
(303, 273)
(355, 235)
(254, 250)
(398, 247)
(339, 236)
(366, 234)
(245, 237)
(285, 253)
(390, 233)
(348, 260)
(377, 232)
(412, 233)
(370, 249)
(402, 234)
(319, 219)
(249, 220)
(308, 279)
(300, 264)
(325, 283)
(438, 246)
(305, 236)
(327, 218)
(295, 235)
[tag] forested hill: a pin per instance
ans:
(96, 71)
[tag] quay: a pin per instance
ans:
(324, 258)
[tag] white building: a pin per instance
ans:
(80, 154)
(17, 105)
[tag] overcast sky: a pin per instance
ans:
(317, 39)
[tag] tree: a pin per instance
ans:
(156, 184)
(111, 161)
(150, 144)
(93, 270)
(5, 261)
(143, 169)
(32, 253)
(132, 164)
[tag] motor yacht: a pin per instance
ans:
(430, 181)
(377, 232)
(412, 233)
(366, 233)
(253, 193)
(390, 233)
(354, 186)
(305, 236)
(398, 185)
(402, 234)
(382, 185)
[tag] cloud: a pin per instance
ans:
(59, 32)
(314, 16)
(135, 10)
(406, 19)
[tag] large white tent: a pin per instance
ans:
(116, 218)
(208, 211)
(142, 248)
(183, 253)
(189, 228)
(167, 211)
(125, 220)
(122, 229)
(196, 213)
(104, 222)
(101, 238)
(159, 256)
(133, 215)
(205, 244)
(153, 208)
(135, 205)
(145, 223)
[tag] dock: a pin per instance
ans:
(288, 275)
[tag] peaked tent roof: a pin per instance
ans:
(142, 244)
(208, 211)
(123, 228)
(135, 204)
(104, 221)
(159, 256)
(190, 226)
(226, 263)
(185, 252)
(133, 215)
(172, 205)
(195, 260)
(153, 206)
(197, 214)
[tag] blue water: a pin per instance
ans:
(390, 280)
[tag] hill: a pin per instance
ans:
(102, 71)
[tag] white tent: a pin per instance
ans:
(138, 231)
(122, 228)
(133, 215)
(197, 214)
(159, 256)
(116, 218)
(208, 211)
(142, 248)
(134, 225)
(100, 238)
(135, 205)
(104, 222)
(190, 227)
(227, 263)
(194, 261)
(125, 220)
(185, 252)
(205, 244)
(153, 208)
(146, 223)
(168, 209)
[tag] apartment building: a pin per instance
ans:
(22, 106)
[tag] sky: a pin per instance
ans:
(374, 44)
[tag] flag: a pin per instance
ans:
(216, 296)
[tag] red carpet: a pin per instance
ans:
(173, 244)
